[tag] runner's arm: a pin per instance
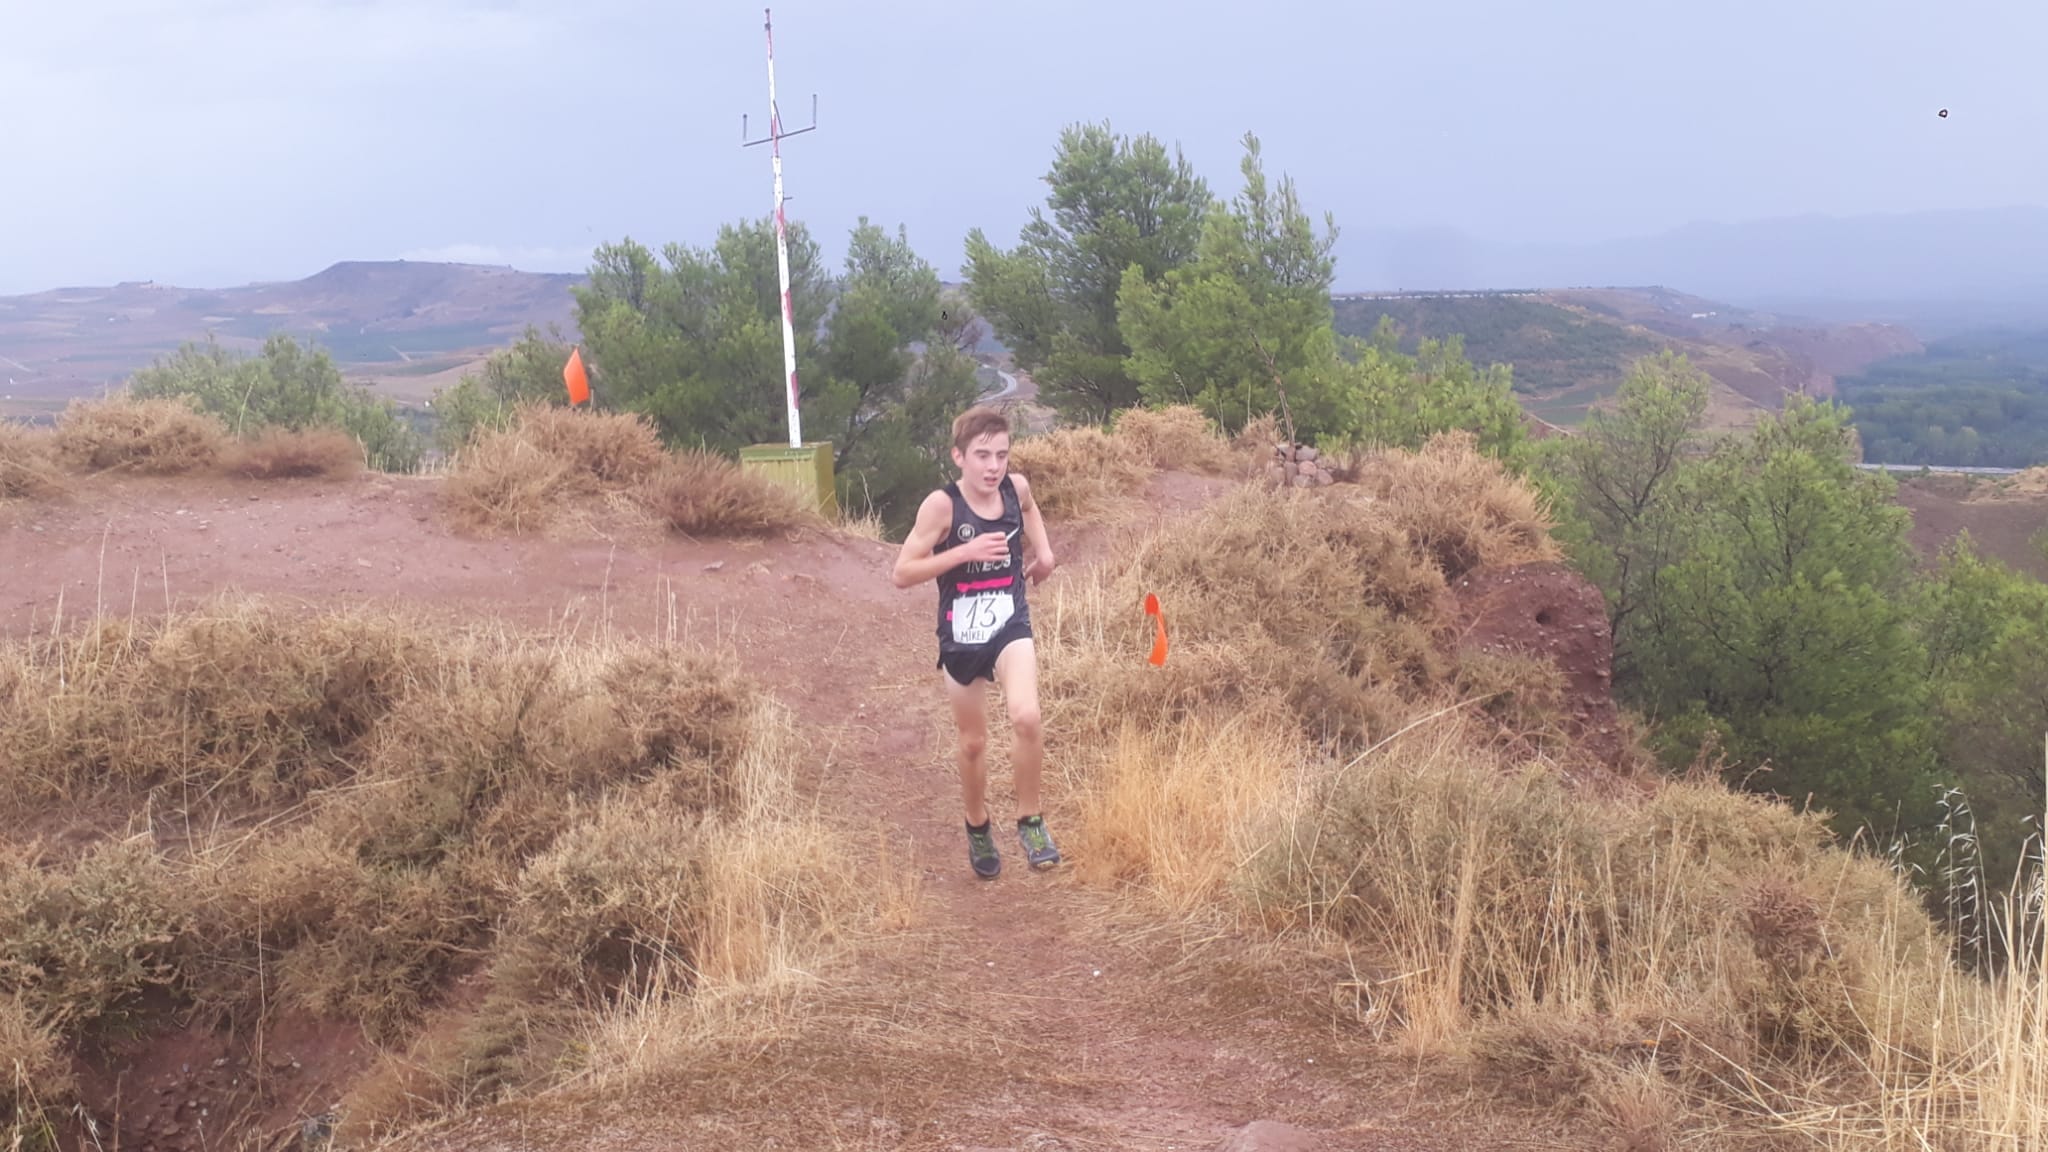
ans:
(1042, 563)
(915, 562)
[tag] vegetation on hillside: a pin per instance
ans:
(1675, 959)
(1800, 929)
(1764, 597)
(1979, 399)
(1551, 348)
(1218, 305)
(605, 836)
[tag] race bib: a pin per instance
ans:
(977, 618)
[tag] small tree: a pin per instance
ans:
(1253, 305)
(284, 386)
(1615, 479)
(1115, 203)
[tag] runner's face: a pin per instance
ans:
(986, 460)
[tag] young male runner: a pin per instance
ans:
(970, 537)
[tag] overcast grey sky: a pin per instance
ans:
(212, 142)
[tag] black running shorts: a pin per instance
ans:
(967, 665)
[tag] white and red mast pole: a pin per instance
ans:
(775, 134)
(774, 140)
(796, 437)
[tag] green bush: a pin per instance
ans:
(284, 386)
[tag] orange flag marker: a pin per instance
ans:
(1159, 642)
(574, 377)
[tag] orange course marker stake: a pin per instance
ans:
(574, 377)
(1159, 642)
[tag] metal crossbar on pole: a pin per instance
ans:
(774, 140)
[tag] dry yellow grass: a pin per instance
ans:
(162, 437)
(503, 482)
(38, 1077)
(28, 462)
(1314, 603)
(1179, 438)
(1460, 505)
(1180, 812)
(2031, 484)
(1077, 471)
(1689, 965)
(520, 478)
(281, 453)
(704, 494)
(611, 449)
(583, 825)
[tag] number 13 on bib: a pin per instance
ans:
(977, 618)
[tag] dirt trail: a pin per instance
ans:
(1029, 1013)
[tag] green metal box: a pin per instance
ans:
(807, 469)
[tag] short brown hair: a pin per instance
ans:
(977, 422)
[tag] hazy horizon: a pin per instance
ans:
(221, 142)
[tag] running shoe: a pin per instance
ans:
(981, 852)
(1038, 846)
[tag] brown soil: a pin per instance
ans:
(1551, 611)
(197, 1087)
(1032, 1012)
(2003, 525)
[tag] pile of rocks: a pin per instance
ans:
(1299, 465)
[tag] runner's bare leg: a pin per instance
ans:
(1017, 672)
(970, 718)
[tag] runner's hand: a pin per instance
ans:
(986, 548)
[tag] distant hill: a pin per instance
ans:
(1571, 348)
(408, 328)
(386, 320)
(1913, 265)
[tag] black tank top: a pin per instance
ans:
(975, 605)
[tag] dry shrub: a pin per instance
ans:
(1696, 946)
(341, 936)
(445, 780)
(1078, 471)
(1523, 693)
(1259, 437)
(1313, 601)
(1624, 1072)
(1178, 438)
(777, 895)
(702, 493)
(35, 1078)
(28, 462)
(1461, 506)
(516, 478)
(501, 481)
(614, 901)
(218, 705)
(162, 437)
(1179, 810)
(284, 453)
(611, 449)
(80, 944)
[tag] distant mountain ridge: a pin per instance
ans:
(1898, 268)
(374, 317)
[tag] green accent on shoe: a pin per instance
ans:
(1038, 846)
(981, 852)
